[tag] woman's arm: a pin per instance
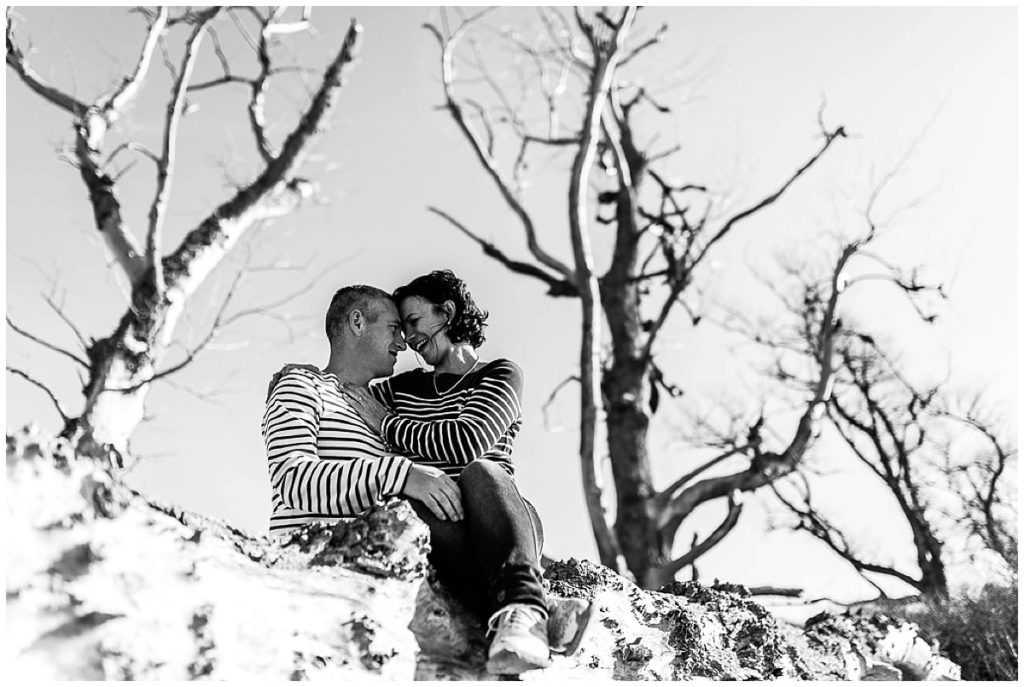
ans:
(492, 406)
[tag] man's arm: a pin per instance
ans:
(302, 479)
(491, 408)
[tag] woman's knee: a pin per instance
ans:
(481, 474)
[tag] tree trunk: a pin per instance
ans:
(624, 381)
(929, 558)
(123, 365)
(624, 384)
(120, 369)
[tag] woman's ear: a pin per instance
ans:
(449, 310)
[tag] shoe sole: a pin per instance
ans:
(509, 663)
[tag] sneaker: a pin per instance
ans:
(520, 640)
(567, 622)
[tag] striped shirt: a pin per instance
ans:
(478, 417)
(325, 462)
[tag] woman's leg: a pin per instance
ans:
(451, 554)
(505, 534)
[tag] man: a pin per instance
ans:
(326, 463)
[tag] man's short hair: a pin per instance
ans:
(359, 297)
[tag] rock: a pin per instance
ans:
(882, 672)
(389, 541)
(861, 639)
(103, 583)
(697, 632)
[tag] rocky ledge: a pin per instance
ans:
(103, 583)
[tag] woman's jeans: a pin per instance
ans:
(491, 557)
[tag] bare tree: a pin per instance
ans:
(894, 428)
(121, 367)
(983, 476)
(572, 97)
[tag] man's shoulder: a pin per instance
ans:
(310, 381)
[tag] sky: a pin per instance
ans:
(745, 86)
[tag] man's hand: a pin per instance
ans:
(436, 490)
(290, 366)
(365, 404)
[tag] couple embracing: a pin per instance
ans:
(442, 439)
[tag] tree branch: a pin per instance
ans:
(556, 286)
(768, 467)
(257, 99)
(650, 42)
(113, 104)
(830, 137)
(664, 497)
(814, 523)
(272, 193)
(165, 168)
(686, 268)
(46, 344)
(732, 517)
(551, 397)
(16, 61)
(486, 160)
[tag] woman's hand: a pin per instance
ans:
(365, 404)
(290, 366)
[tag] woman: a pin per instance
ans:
(462, 418)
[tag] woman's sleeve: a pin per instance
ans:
(491, 408)
(381, 390)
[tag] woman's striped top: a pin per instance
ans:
(325, 462)
(478, 417)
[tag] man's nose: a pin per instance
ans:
(400, 342)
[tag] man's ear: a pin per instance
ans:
(356, 322)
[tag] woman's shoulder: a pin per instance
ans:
(502, 368)
(416, 376)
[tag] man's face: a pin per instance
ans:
(382, 340)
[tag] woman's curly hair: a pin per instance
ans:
(442, 285)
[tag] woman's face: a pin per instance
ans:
(425, 327)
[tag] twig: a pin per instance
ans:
(47, 344)
(551, 398)
(31, 380)
(67, 320)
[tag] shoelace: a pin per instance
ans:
(517, 618)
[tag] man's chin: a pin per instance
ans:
(384, 371)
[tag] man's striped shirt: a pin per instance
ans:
(325, 463)
(477, 418)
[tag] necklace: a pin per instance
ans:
(433, 379)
